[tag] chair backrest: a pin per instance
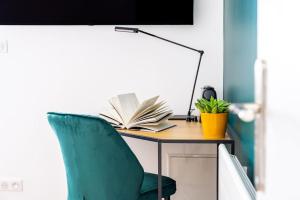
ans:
(99, 164)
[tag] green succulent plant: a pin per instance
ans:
(212, 106)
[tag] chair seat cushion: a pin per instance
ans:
(149, 187)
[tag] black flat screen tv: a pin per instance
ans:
(96, 12)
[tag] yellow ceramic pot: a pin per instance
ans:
(214, 125)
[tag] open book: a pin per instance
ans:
(126, 112)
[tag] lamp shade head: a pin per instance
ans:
(126, 29)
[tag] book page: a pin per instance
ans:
(110, 120)
(143, 106)
(154, 113)
(116, 108)
(126, 105)
(112, 115)
(154, 120)
(154, 108)
(157, 128)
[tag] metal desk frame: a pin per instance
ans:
(176, 141)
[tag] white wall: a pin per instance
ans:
(278, 45)
(76, 69)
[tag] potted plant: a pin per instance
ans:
(214, 115)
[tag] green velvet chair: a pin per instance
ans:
(99, 164)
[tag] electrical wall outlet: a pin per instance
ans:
(3, 46)
(12, 185)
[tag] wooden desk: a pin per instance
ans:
(183, 132)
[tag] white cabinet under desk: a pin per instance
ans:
(193, 166)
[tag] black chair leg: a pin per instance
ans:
(167, 198)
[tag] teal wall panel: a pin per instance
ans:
(240, 50)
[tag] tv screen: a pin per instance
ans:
(96, 12)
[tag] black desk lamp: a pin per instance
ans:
(187, 117)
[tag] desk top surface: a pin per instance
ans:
(183, 132)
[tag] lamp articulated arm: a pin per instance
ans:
(189, 116)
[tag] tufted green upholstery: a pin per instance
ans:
(99, 164)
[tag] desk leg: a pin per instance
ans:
(159, 181)
(217, 186)
(232, 148)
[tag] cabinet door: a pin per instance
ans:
(195, 175)
(193, 166)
